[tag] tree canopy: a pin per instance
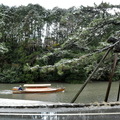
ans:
(58, 45)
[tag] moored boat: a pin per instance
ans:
(36, 88)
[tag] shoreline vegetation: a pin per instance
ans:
(59, 45)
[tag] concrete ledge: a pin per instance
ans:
(29, 106)
(28, 110)
(13, 103)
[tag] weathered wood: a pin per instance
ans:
(88, 79)
(111, 76)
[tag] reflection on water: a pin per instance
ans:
(92, 93)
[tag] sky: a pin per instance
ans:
(49, 4)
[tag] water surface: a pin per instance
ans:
(93, 92)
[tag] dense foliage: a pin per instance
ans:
(58, 45)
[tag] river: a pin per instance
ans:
(93, 92)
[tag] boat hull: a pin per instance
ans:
(38, 91)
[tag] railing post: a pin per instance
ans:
(118, 95)
(76, 96)
(111, 76)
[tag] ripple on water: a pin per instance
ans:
(6, 92)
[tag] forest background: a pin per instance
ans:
(58, 45)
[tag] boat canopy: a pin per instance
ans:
(36, 85)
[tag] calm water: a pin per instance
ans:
(93, 92)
